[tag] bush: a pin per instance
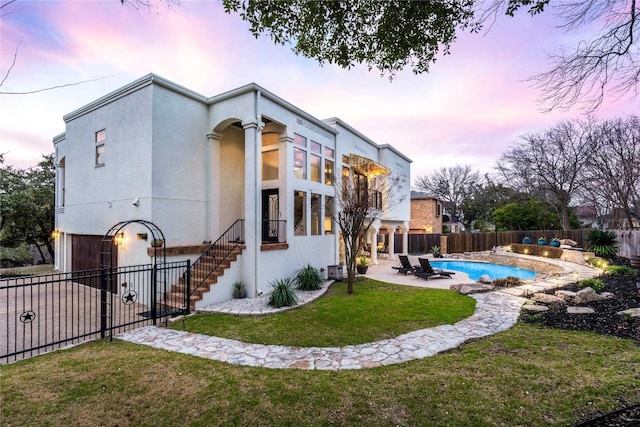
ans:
(620, 270)
(308, 279)
(282, 294)
(239, 290)
(537, 250)
(602, 242)
(595, 284)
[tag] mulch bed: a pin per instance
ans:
(604, 321)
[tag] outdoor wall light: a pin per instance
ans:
(119, 239)
(55, 234)
(142, 236)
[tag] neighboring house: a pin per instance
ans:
(194, 165)
(426, 214)
(452, 223)
(588, 216)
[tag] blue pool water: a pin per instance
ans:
(477, 269)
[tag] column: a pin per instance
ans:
(390, 246)
(405, 238)
(212, 186)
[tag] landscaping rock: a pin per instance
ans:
(533, 307)
(566, 295)
(548, 299)
(485, 278)
(632, 312)
(580, 310)
(587, 295)
(472, 288)
(568, 242)
(608, 295)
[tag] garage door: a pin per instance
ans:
(85, 255)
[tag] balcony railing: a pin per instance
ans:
(274, 231)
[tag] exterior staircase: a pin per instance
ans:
(206, 270)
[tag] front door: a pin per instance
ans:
(270, 215)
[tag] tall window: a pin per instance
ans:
(328, 172)
(328, 215)
(299, 163)
(315, 214)
(269, 165)
(100, 138)
(316, 161)
(299, 206)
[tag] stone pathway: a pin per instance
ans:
(495, 311)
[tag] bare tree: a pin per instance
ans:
(452, 185)
(359, 201)
(551, 163)
(613, 171)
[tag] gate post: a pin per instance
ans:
(154, 296)
(103, 302)
(187, 295)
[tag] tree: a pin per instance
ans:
(530, 215)
(550, 164)
(27, 206)
(612, 174)
(484, 198)
(357, 204)
(393, 35)
(452, 185)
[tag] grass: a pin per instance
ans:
(374, 312)
(527, 375)
(30, 270)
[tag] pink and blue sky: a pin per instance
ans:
(469, 109)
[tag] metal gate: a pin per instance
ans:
(43, 313)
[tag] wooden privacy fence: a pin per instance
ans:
(476, 242)
(628, 243)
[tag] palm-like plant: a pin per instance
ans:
(282, 294)
(602, 242)
(308, 279)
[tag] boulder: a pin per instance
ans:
(580, 310)
(587, 295)
(533, 307)
(548, 299)
(472, 288)
(566, 295)
(485, 278)
(568, 242)
(631, 312)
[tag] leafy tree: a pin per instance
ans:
(530, 215)
(27, 206)
(391, 35)
(486, 197)
(550, 164)
(452, 185)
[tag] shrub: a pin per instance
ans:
(508, 282)
(239, 290)
(595, 284)
(282, 294)
(537, 250)
(621, 270)
(602, 242)
(308, 279)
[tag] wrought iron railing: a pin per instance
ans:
(274, 231)
(203, 268)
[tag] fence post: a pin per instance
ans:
(154, 295)
(187, 295)
(103, 302)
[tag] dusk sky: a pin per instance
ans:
(471, 106)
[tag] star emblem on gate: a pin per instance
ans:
(27, 317)
(129, 297)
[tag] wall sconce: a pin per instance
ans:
(119, 239)
(55, 234)
(142, 236)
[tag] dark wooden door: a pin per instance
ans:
(85, 255)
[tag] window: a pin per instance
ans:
(328, 172)
(315, 147)
(299, 163)
(328, 152)
(269, 165)
(315, 214)
(437, 210)
(345, 159)
(99, 140)
(316, 161)
(299, 206)
(328, 215)
(299, 140)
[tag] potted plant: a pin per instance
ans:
(527, 241)
(542, 241)
(239, 290)
(435, 250)
(363, 265)
(157, 243)
(555, 242)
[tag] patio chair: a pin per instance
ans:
(405, 266)
(427, 270)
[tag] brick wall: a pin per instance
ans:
(423, 216)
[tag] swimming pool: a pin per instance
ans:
(477, 269)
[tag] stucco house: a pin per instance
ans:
(194, 166)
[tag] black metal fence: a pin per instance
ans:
(39, 314)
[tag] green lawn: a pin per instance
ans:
(374, 312)
(525, 376)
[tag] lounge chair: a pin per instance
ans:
(405, 266)
(427, 270)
